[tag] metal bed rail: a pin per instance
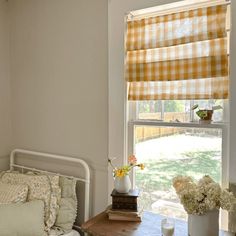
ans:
(81, 162)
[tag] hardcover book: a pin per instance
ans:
(125, 201)
(125, 215)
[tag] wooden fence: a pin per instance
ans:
(143, 133)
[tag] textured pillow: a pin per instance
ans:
(12, 193)
(67, 206)
(41, 187)
(22, 219)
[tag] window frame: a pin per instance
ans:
(131, 107)
(117, 110)
(131, 120)
(224, 126)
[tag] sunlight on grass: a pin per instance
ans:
(156, 180)
(161, 172)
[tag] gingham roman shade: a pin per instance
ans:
(178, 56)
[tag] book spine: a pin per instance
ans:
(124, 200)
(124, 218)
(123, 206)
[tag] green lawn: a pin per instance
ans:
(156, 180)
(194, 153)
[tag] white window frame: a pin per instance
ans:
(117, 110)
(131, 108)
(223, 126)
(132, 121)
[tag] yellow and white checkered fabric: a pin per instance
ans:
(208, 88)
(178, 56)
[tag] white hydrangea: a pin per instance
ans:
(205, 195)
(227, 200)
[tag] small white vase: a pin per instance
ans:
(204, 225)
(122, 184)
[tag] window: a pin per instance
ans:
(171, 151)
(177, 57)
(176, 110)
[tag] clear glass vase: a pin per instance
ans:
(122, 184)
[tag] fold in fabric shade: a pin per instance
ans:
(178, 28)
(194, 68)
(208, 88)
(214, 47)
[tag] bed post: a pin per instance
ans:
(12, 159)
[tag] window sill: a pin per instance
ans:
(213, 125)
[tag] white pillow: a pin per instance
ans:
(22, 219)
(68, 205)
(12, 193)
(41, 187)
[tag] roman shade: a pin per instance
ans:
(178, 56)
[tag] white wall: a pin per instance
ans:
(60, 82)
(232, 139)
(5, 102)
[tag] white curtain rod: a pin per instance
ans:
(170, 8)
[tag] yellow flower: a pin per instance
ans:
(119, 173)
(142, 166)
(124, 170)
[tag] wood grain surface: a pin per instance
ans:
(150, 226)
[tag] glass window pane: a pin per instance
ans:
(150, 110)
(177, 110)
(168, 152)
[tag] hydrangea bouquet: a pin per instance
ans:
(205, 195)
(124, 170)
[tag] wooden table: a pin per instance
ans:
(100, 225)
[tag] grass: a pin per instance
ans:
(156, 180)
(194, 153)
(160, 172)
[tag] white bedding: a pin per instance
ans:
(72, 233)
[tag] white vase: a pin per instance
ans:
(122, 184)
(204, 225)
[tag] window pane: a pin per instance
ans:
(149, 110)
(177, 110)
(168, 152)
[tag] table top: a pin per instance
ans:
(100, 225)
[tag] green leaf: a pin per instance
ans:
(194, 107)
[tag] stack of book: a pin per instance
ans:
(125, 215)
(124, 206)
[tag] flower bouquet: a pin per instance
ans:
(202, 201)
(122, 181)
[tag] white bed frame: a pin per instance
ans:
(81, 162)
